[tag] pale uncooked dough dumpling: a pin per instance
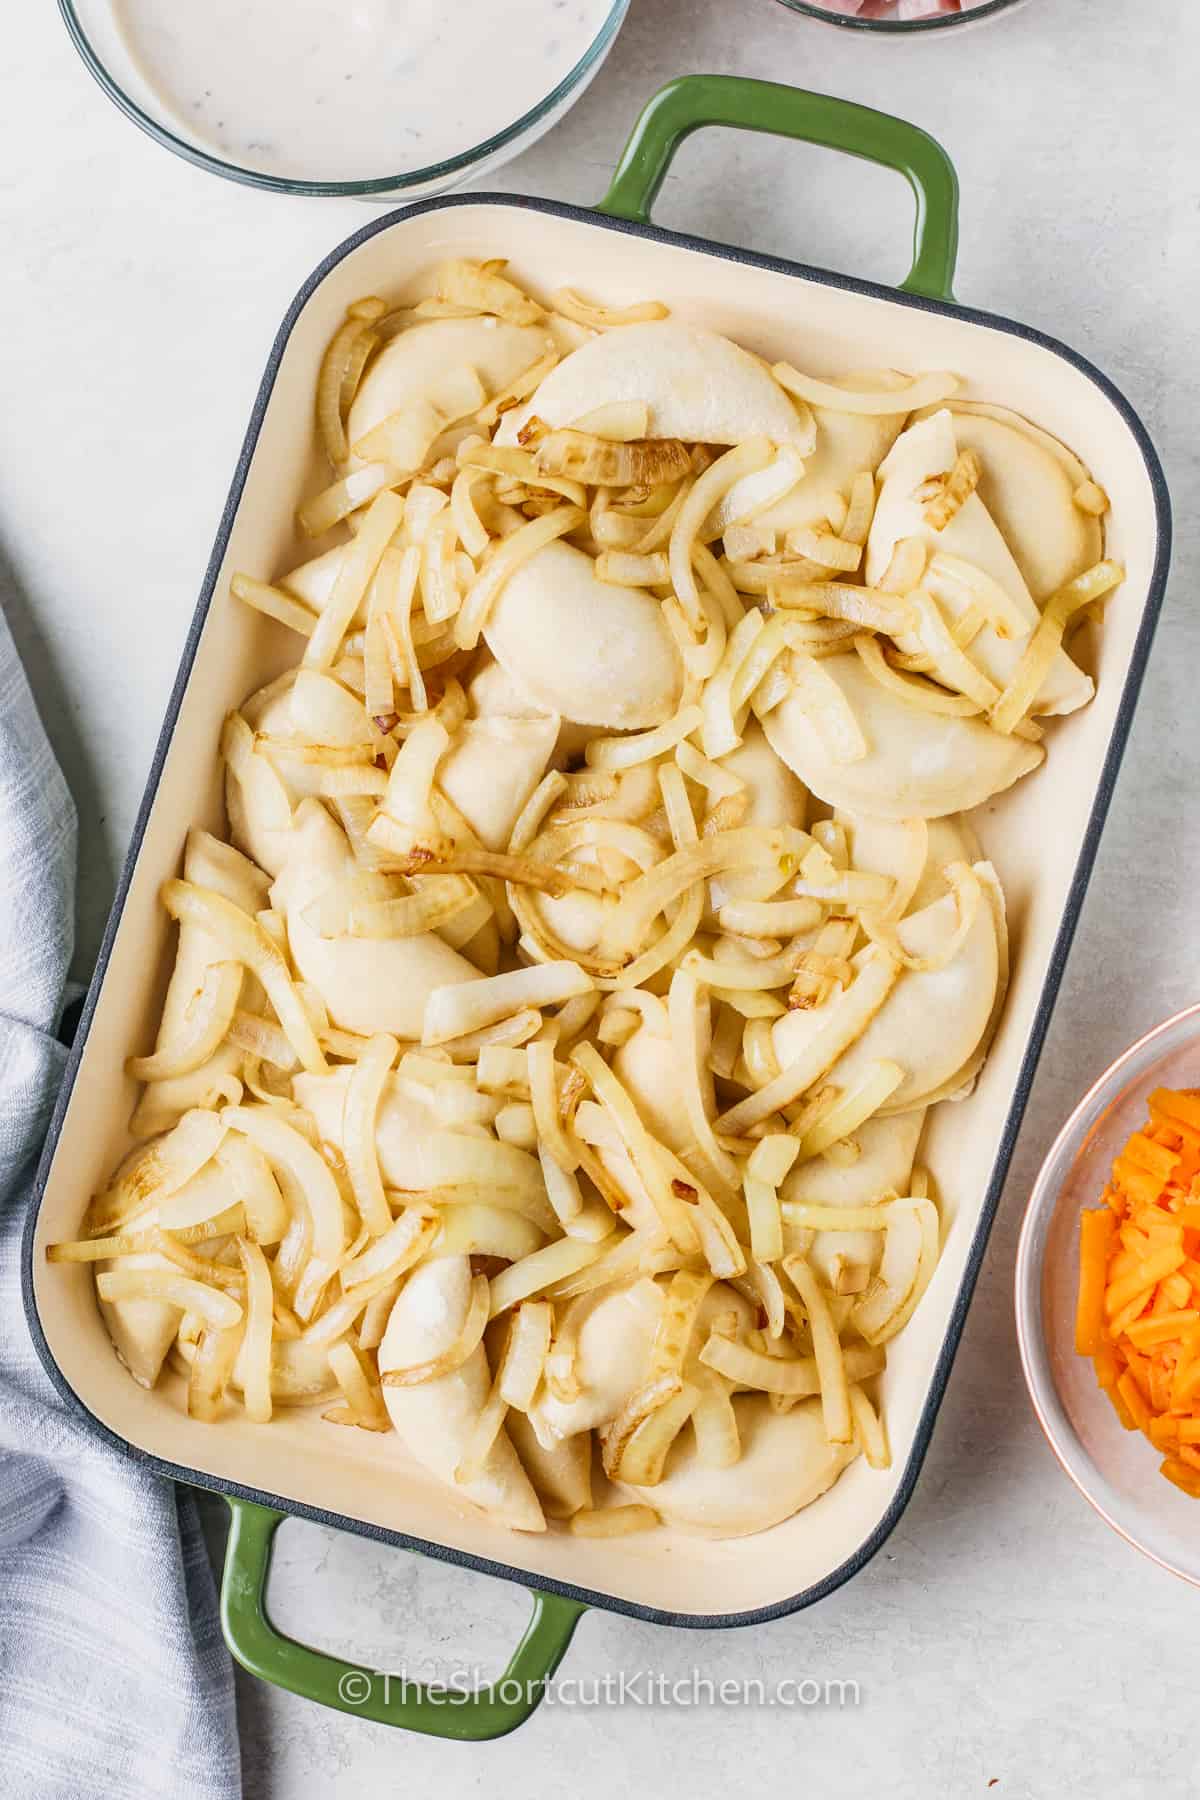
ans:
(492, 767)
(435, 1419)
(142, 1331)
(314, 709)
(415, 1152)
(932, 1020)
(209, 864)
(646, 1067)
(612, 1357)
(698, 386)
(596, 653)
(367, 984)
(223, 870)
(918, 764)
(259, 828)
(847, 443)
(561, 1472)
(775, 795)
(577, 918)
(923, 452)
(409, 369)
(1028, 485)
(313, 582)
(886, 1149)
(300, 1372)
(787, 1462)
(639, 1211)
(882, 846)
(493, 693)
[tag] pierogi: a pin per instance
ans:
(541, 1080)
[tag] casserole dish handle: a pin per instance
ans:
(389, 1699)
(735, 101)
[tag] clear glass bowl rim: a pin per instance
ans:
(812, 9)
(453, 169)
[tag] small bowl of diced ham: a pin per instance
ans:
(900, 15)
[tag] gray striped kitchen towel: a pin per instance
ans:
(114, 1680)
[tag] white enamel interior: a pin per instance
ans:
(1034, 835)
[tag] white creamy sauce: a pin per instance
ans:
(353, 90)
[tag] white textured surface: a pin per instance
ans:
(1003, 1634)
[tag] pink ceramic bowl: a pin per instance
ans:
(1114, 1469)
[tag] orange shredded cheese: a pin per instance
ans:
(1138, 1311)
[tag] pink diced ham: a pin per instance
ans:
(925, 9)
(907, 10)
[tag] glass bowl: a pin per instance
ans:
(1114, 1469)
(812, 9)
(102, 46)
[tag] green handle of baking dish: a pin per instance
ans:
(685, 105)
(449, 1712)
